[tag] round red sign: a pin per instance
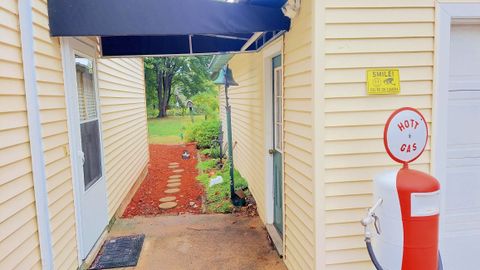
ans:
(405, 135)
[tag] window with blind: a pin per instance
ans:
(89, 126)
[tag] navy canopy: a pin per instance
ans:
(170, 27)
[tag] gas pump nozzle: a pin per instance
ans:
(371, 217)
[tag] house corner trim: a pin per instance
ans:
(35, 133)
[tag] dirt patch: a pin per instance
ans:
(147, 199)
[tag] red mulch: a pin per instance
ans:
(146, 200)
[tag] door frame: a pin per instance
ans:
(73, 123)
(446, 14)
(272, 50)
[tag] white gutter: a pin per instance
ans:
(35, 135)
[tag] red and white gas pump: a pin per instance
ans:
(405, 215)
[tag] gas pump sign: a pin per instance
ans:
(405, 135)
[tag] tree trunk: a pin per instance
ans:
(167, 86)
(160, 94)
(164, 92)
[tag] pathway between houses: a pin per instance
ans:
(201, 242)
(170, 186)
(196, 242)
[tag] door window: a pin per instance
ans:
(89, 126)
(278, 108)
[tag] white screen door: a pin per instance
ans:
(86, 142)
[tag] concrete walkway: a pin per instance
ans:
(200, 242)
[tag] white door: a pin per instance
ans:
(86, 142)
(460, 234)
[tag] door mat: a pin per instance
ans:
(121, 251)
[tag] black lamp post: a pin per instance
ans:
(225, 78)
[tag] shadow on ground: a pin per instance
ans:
(200, 242)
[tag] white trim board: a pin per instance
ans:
(446, 15)
(268, 54)
(35, 134)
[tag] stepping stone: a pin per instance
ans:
(167, 205)
(174, 181)
(173, 163)
(173, 166)
(172, 190)
(172, 185)
(175, 176)
(178, 171)
(168, 199)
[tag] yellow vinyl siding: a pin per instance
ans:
(298, 142)
(247, 101)
(248, 113)
(361, 35)
(123, 115)
(19, 245)
(53, 118)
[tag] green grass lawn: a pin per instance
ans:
(169, 130)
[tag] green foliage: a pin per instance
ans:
(206, 103)
(213, 152)
(189, 75)
(195, 78)
(151, 112)
(177, 112)
(218, 196)
(151, 88)
(204, 133)
(207, 164)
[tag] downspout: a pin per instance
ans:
(35, 135)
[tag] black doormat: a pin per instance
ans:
(121, 251)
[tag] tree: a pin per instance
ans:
(188, 73)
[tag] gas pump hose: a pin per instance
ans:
(377, 264)
(372, 254)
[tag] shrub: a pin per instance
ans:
(213, 152)
(204, 133)
(206, 103)
(151, 112)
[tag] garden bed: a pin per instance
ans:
(218, 196)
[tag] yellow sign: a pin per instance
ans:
(383, 81)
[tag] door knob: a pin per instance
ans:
(271, 151)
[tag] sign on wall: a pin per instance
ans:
(383, 81)
(405, 135)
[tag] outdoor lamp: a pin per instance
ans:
(225, 77)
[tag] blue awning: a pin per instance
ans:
(170, 27)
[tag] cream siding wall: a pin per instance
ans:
(248, 114)
(298, 142)
(124, 125)
(19, 244)
(247, 101)
(53, 117)
(123, 120)
(361, 35)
